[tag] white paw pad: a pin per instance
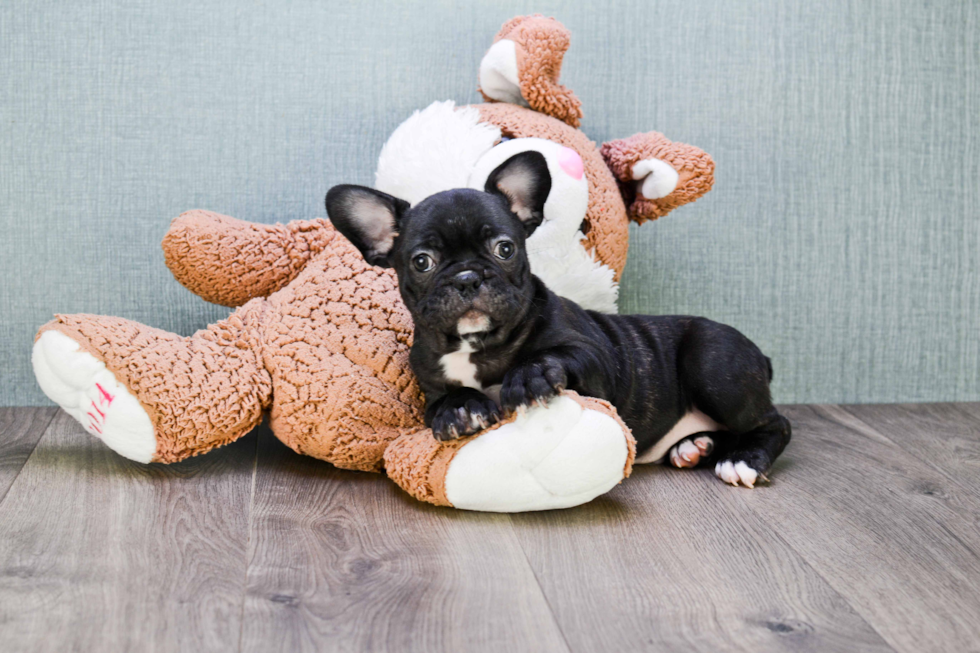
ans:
(737, 473)
(553, 456)
(655, 178)
(86, 390)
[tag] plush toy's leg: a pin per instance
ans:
(356, 415)
(558, 456)
(523, 66)
(656, 175)
(151, 395)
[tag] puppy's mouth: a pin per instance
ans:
(474, 323)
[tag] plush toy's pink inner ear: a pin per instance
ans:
(571, 162)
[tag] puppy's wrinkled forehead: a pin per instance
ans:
(454, 219)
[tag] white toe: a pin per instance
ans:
(688, 451)
(705, 444)
(726, 472)
(746, 474)
(657, 178)
(86, 390)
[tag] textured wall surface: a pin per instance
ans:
(843, 233)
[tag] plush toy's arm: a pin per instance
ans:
(523, 65)
(656, 175)
(227, 261)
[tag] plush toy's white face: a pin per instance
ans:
(441, 148)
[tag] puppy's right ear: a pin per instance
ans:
(368, 218)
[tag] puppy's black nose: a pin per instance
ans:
(467, 280)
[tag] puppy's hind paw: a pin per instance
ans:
(738, 473)
(689, 452)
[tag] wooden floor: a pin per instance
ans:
(866, 540)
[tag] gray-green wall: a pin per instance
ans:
(843, 233)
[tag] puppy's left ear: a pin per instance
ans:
(368, 218)
(524, 182)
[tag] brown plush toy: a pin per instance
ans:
(320, 339)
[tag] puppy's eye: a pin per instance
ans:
(504, 249)
(423, 262)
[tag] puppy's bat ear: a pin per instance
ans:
(524, 182)
(368, 218)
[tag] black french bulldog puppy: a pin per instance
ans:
(482, 319)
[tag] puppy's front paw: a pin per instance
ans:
(464, 415)
(533, 382)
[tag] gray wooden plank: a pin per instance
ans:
(890, 533)
(98, 553)
(20, 429)
(344, 561)
(672, 560)
(946, 436)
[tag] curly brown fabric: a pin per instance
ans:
(541, 44)
(331, 347)
(321, 339)
(606, 225)
(228, 262)
(695, 169)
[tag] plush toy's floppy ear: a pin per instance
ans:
(368, 218)
(524, 64)
(656, 175)
(524, 182)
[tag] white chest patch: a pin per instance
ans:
(458, 367)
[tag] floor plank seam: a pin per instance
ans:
(537, 581)
(248, 544)
(924, 459)
(805, 561)
(29, 456)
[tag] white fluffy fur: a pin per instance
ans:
(68, 376)
(553, 457)
(441, 147)
(434, 150)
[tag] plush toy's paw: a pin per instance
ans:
(80, 383)
(464, 412)
(555, 456)
(736, 471)
(689, 452)
(657, 175)
(534, 382)
(655, 178)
